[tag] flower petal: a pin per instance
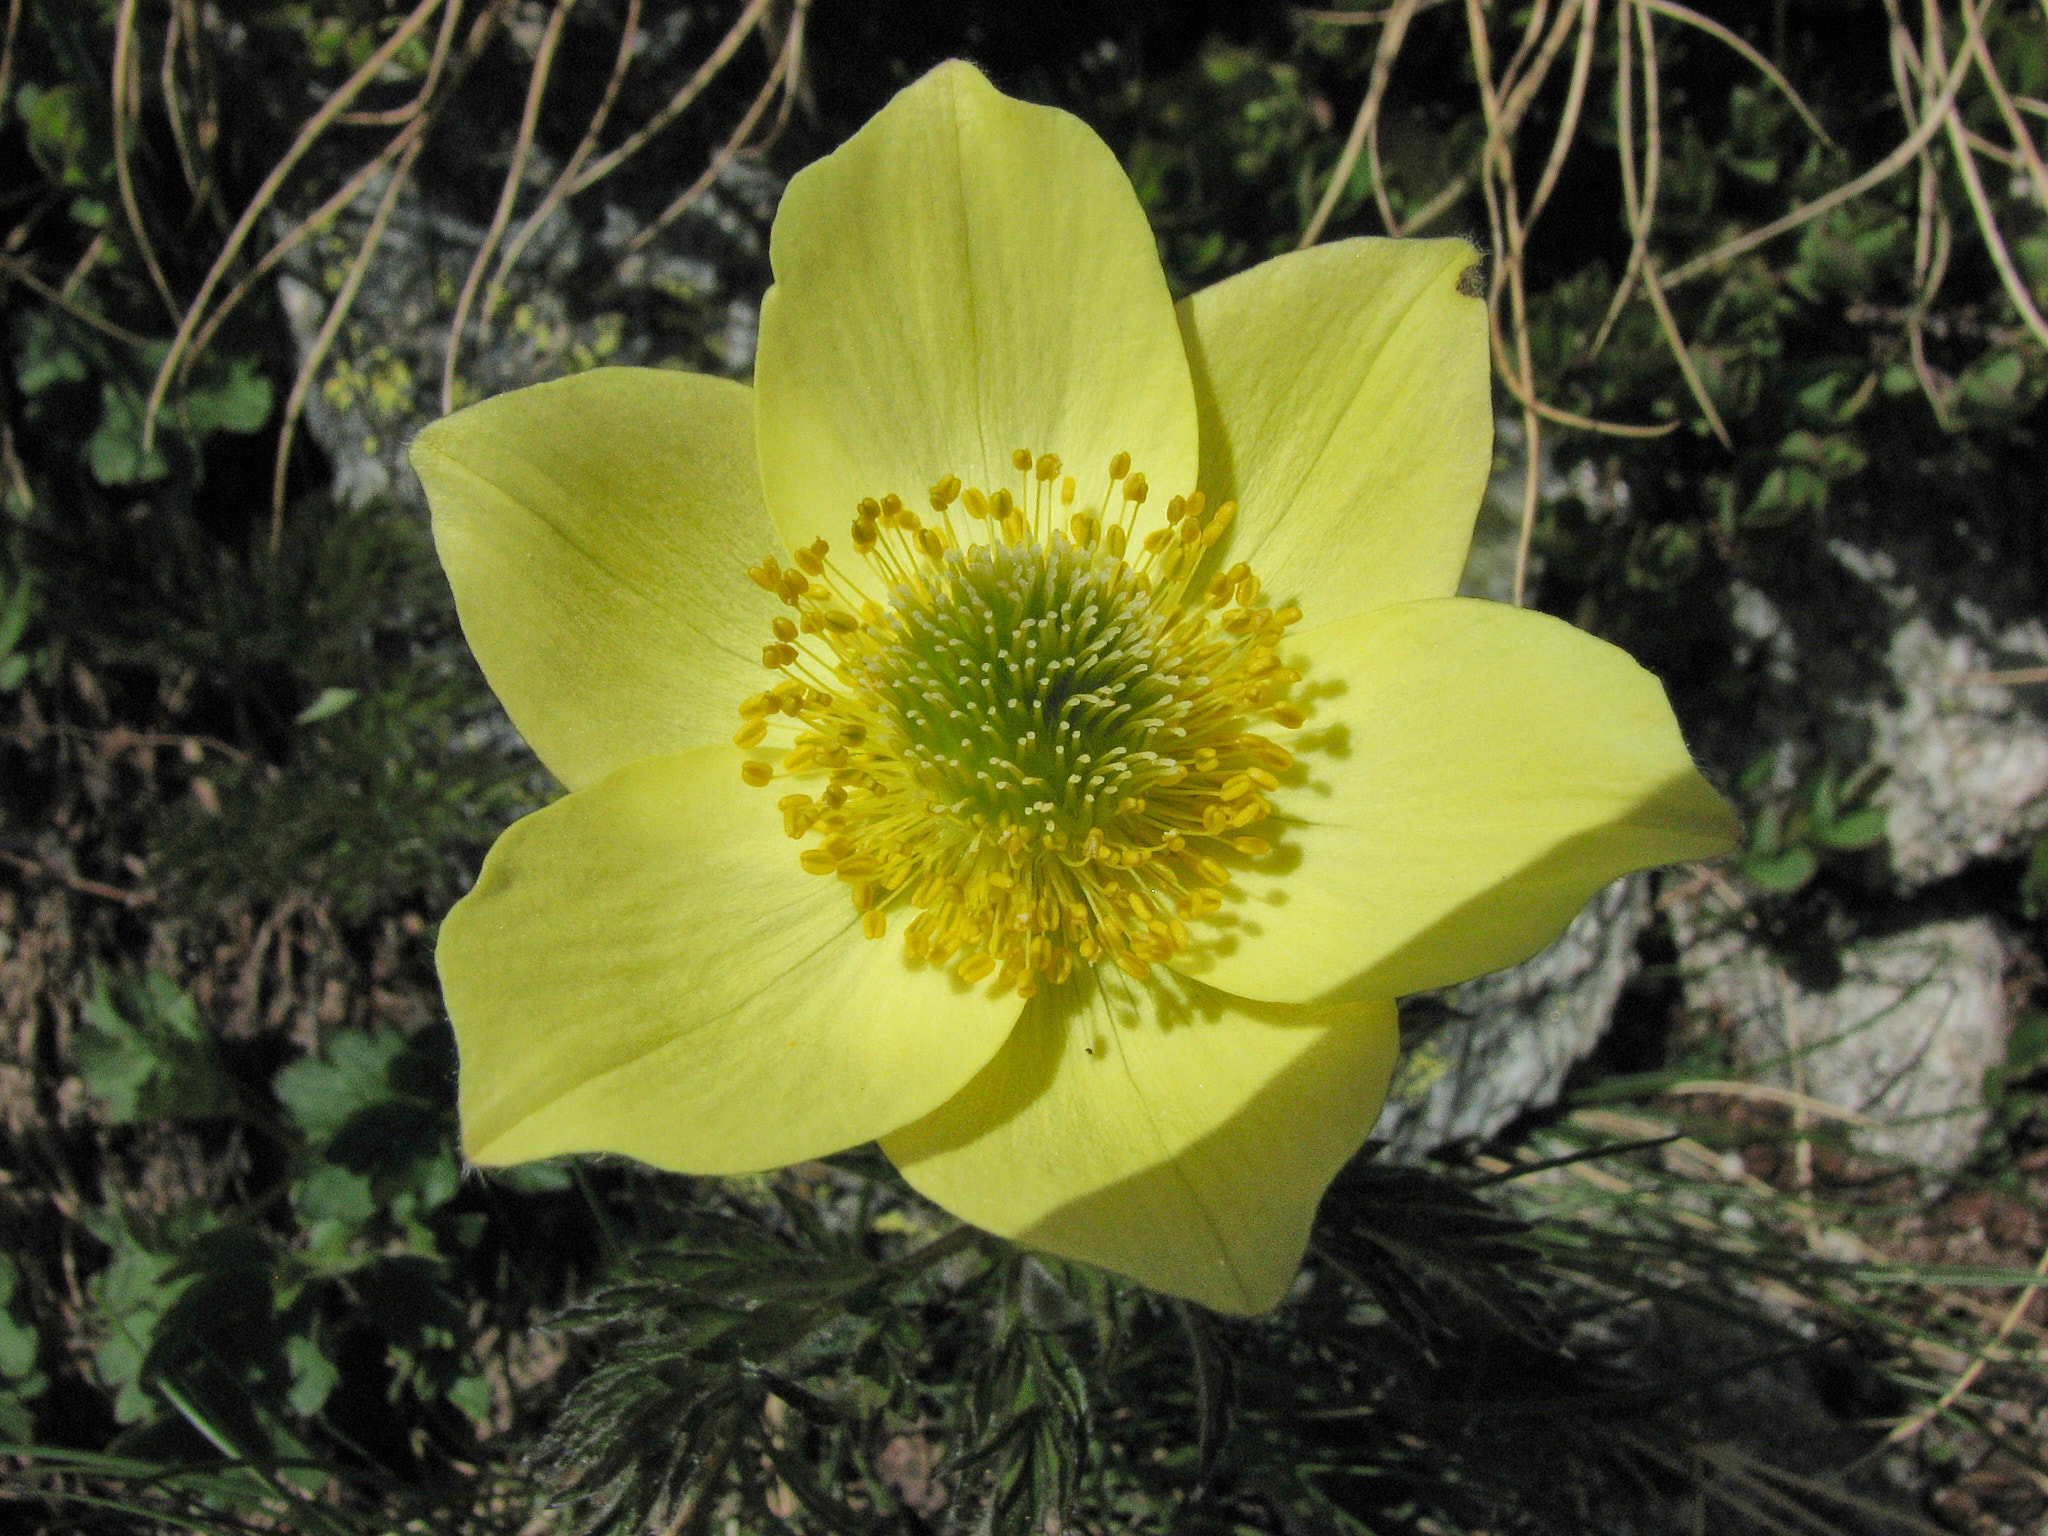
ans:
(965, 276)
(1469, 775)
(1164, 1130)
(1346, 404)
(597, 532)
(644, 968)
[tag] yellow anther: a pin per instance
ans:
(1286, 616)
(1011, 865)
(1218, 524)
(1021, 458)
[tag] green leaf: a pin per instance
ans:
(237, 402)
(15, 612)
(1859, 829)
(143, 1051)
(46, 358)
(1781, 873)
(2034, 883)
(323, 1092)
(545, 1178)
(329, 1193)
(2027, 1047)
(314, 1376)
(331, 702)
(115, 451)
(19, 1345)
(472, 1394)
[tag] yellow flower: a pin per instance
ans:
(1122, 752)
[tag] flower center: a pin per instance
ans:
(1039, 744)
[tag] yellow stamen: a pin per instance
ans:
(1033, 749)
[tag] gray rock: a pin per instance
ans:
(575, 299)
(1480, 1054)
(1878, 652)
(1900, 1040)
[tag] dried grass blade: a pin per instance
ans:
(1756, 61)
(307, 136)
(781, 76)
(1364, 129)
(126, 91)
(692, 88)
(508, 194)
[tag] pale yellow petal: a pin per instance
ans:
(966, 276)
(1164, 1130)
(1469, 775)
(597, 532)
(644, 968)
(1346, 404)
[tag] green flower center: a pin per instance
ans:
(1038, 746)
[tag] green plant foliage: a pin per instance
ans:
(143, 1050)
(21, 1382)
(1826, 814)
